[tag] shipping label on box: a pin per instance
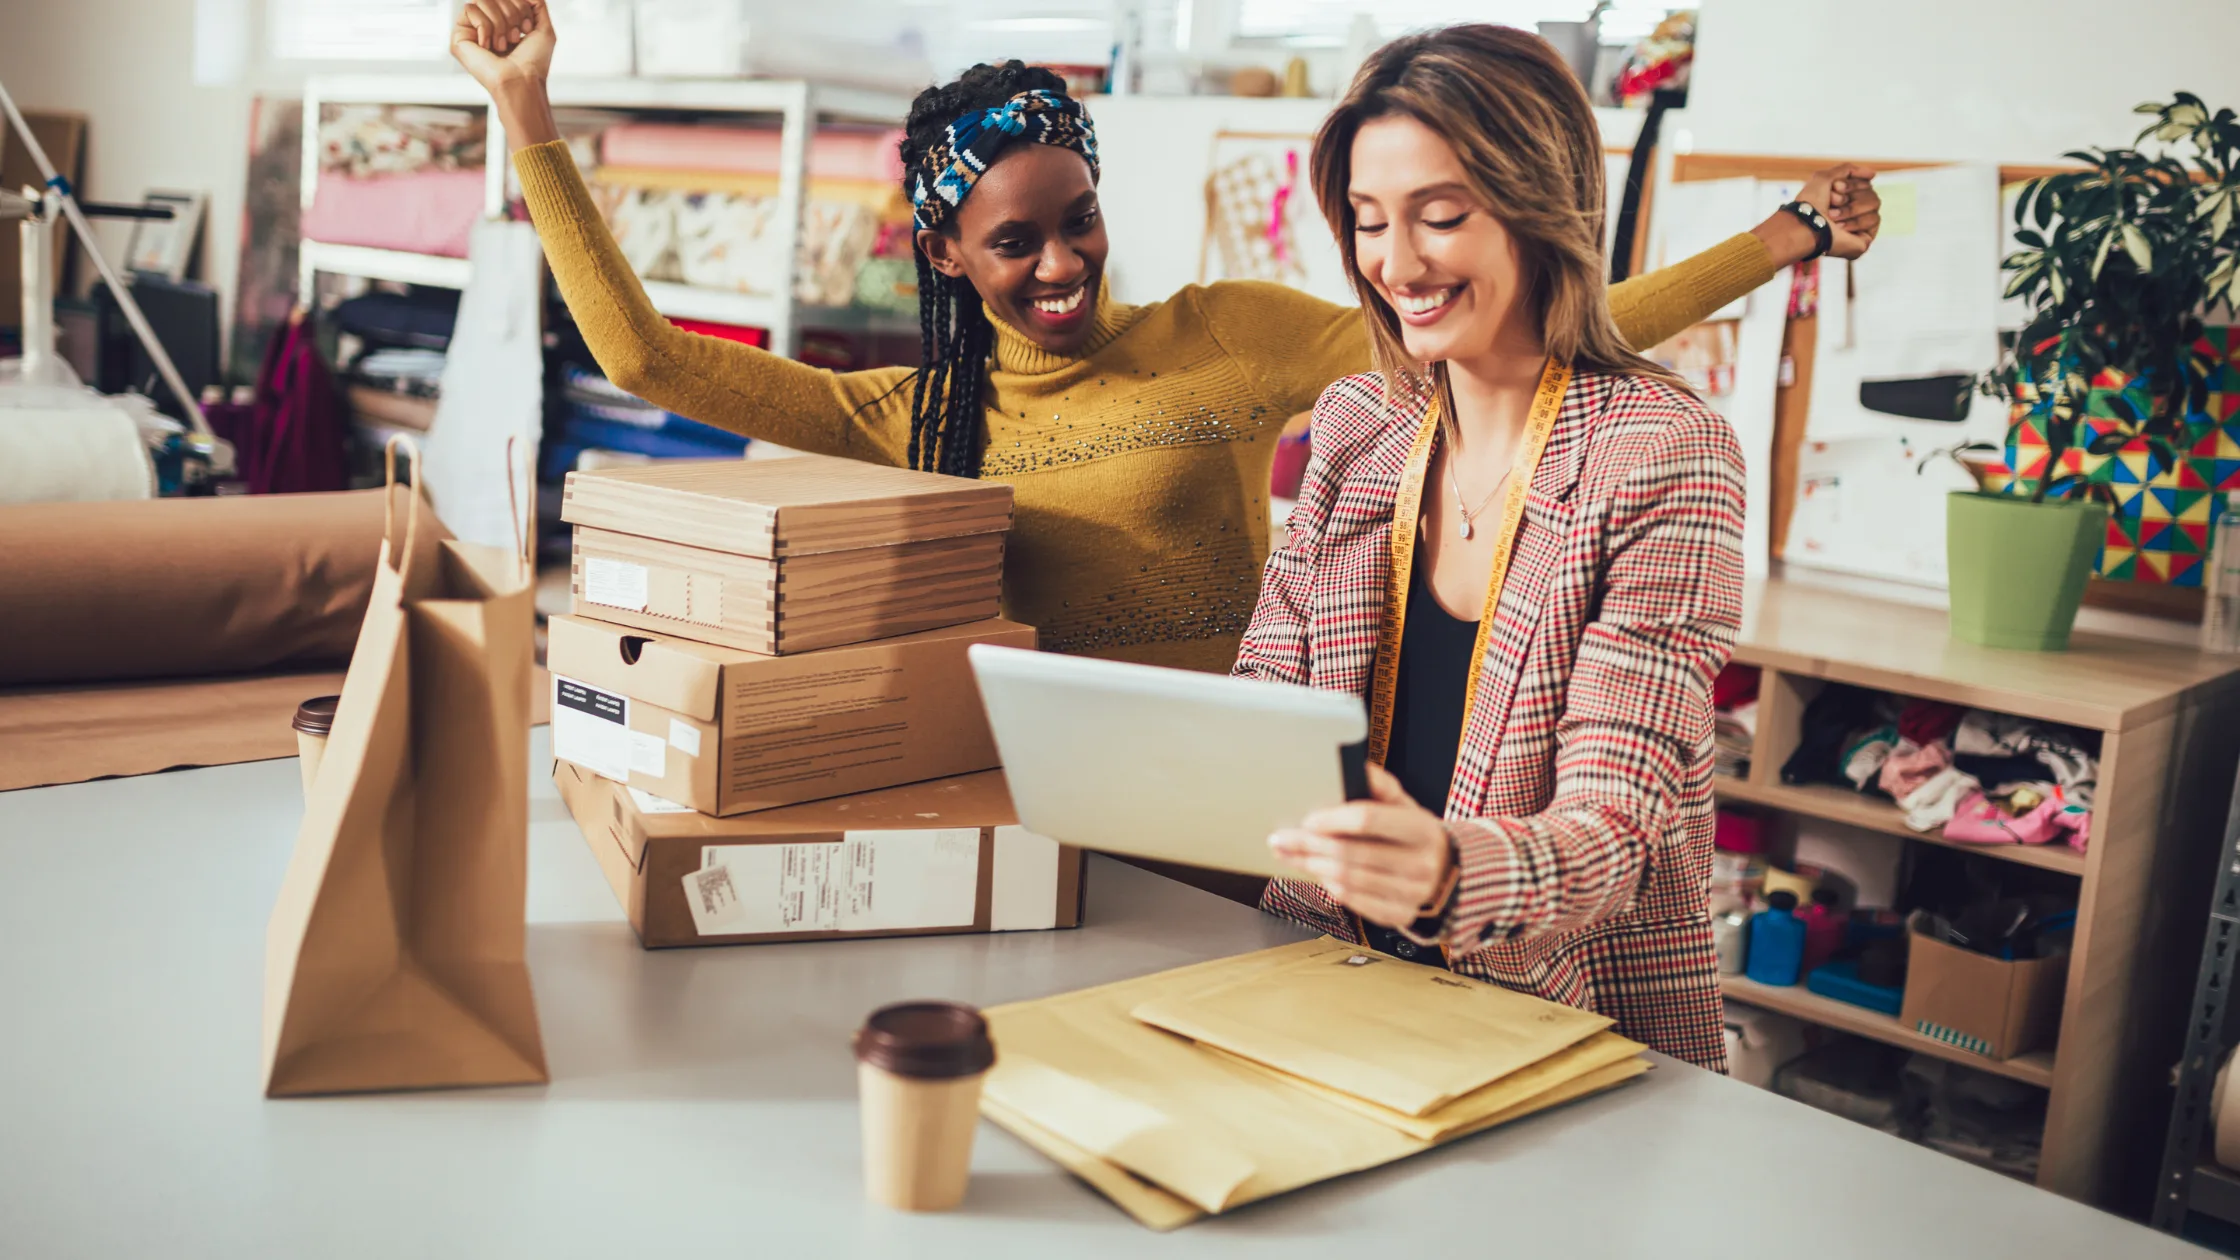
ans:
(939, 857)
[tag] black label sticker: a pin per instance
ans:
(574, 695)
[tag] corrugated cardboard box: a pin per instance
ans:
(1994, 1007)
(725, 731)
(925, 859)
(781, 556)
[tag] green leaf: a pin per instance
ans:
(2031, 239)
(2135, 244)
(2100, 256)
(2059, 285)
(2223, 221)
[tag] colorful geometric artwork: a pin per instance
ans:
(2159, 529)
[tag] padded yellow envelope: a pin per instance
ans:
(1403, 1036)
(1171, 1130)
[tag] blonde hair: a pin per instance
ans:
(1525, 135)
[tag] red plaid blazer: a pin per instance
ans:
(1581, 804)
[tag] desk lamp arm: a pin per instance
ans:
(117, 287)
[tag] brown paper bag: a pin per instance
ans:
(394, 959)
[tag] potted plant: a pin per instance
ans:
(2119, 260)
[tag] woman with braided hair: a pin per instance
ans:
(1137, 439)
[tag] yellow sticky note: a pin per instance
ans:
(1898, 207)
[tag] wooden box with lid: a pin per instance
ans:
(786, 555)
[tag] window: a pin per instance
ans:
(359, 30)
(1326, 22)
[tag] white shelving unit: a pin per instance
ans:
(798, 105)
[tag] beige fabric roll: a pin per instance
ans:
(185, 588)
(2225, 1103)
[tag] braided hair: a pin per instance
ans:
(948, 406)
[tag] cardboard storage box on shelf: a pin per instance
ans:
(1996, 1008)
(781, 556)
(931, 858)
(725, 731)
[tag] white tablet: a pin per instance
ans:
(1167, 763)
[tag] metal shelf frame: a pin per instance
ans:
(2191, 1179)
(800, 105)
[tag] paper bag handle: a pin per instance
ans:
(523, 535)
(389, 501)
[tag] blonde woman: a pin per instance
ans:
(1138, 439)
(1522, 541)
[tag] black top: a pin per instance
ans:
(1427, 708)
(1427, 704)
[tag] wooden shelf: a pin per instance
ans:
(1856, 809)
(2034, 1068)
(2103, 682)
(385, 264)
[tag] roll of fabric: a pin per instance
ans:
(2225, 1103)
(833, 153)
(79, 453)
(179, 588)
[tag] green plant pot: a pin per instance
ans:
(2018, 568)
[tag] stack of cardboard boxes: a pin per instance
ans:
(764, 717)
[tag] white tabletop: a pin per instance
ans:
(702, 1101)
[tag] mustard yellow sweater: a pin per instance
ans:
(1140, 469)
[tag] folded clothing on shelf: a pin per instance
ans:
(422, 319)
(1734, 711)
(366, 139)
(834, 153)
(422, 212)
(597, 415)
(2024, 816)
(401, 371)
(1937, 760)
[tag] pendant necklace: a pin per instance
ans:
(1461, 505)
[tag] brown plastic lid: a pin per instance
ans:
(316, 716)
(927, 1040)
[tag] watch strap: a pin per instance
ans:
(1823, 231)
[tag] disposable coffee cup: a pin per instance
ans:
(918, 1070)
(314, 718)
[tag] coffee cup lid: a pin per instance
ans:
(929, 1040)
(316, 716)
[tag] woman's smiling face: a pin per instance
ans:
(1428, 246)
(1030, 239)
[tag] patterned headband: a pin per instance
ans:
(976, 139)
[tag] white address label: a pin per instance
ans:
(869, 882)
(614, 583)
(591, 728)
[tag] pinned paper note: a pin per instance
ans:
(1899, 200)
